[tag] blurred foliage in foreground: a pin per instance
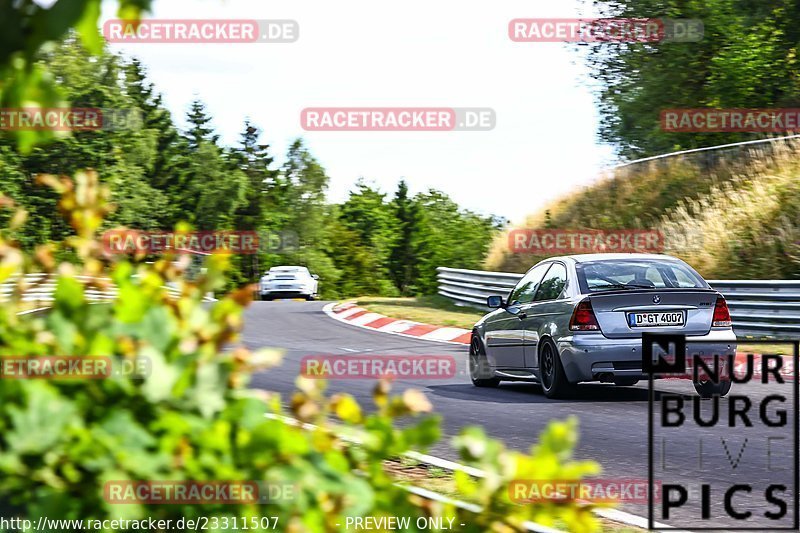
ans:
(730, 215)
(193, 418)
(29, 26)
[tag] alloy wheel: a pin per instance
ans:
(548, 366)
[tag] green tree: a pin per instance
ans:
(449, 236)
(403, 256)
(123, 155)
(26, 28)
(200, 130)
(371, 219)
(218, 189)
(254, 160)
(746, 59)
(167, 167)
(297, 204)
(302, 185)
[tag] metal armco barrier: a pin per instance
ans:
(40, 288)
(763, 307)
(758, 307)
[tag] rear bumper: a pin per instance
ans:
(286, 293)
(593, 357)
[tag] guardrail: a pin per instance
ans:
(39, 288)
(758, 307)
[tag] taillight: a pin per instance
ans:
(722, 317)
(583, 318)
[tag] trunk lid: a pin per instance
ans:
(651, 308)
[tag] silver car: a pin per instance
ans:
(580, 318)
(289, 282)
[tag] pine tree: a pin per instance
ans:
(199, 130)
(402, 259)
(168, 168)
(137, 87)
(254, 160)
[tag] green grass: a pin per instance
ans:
(777, 348)
(735, 220)
(435, 310)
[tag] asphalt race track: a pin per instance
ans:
(613, 420)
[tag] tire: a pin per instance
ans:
(709, 389)
(480, 373)
(314, 295)
(626, 382)
(551, 372)
(266, 298)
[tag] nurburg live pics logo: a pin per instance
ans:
(740, 451)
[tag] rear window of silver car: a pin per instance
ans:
(624, 274)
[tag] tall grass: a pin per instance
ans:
(733, 215)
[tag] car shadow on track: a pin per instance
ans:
(520, 393)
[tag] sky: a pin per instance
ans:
(418, 53)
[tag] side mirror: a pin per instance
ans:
(314, 276)
(495, 302)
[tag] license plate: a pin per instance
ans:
(653, 320)
(284, 286)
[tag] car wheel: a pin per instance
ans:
(709, 389)
(626, 382)
(551, 372)
(310, 297)
(266, 298)
(480, 373)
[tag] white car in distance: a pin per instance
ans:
(289, 282)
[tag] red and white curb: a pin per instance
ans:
(350, 313)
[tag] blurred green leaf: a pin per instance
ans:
(87, 27)
(43, 421)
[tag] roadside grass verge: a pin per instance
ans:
(777, 348)
(733, 220)
(436, 310)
